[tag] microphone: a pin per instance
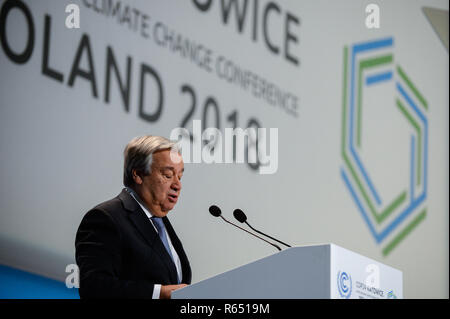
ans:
(241, 217)
(216, 212)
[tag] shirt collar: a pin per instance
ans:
(139, 201)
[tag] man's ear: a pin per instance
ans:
(137, 179)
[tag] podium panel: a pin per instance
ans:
(316, 271)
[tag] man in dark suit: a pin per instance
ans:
(126, 247)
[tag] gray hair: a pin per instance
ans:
(138, 155)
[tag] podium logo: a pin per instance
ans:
(396, 149)
(344, 284)
(391, 295)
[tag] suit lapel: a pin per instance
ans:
(146, 229)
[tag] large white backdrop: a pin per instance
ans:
(63, 128)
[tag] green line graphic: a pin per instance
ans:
(405, 232)
(379, 217)
(419, 135)
(367, 64)
(360, 187)
(412, 87)
(391, 207)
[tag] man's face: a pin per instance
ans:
(161, 188)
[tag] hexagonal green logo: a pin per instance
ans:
(369, 66)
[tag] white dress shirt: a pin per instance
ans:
(176, 259)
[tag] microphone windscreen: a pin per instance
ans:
(215, 211)
(239, 215)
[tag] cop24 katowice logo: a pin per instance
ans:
(367, 66)
(344, 284)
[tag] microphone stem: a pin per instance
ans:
(277, 247)
(267, 235)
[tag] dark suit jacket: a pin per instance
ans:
(120, 255)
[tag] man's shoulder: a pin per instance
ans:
(110, 205)
(113, 207)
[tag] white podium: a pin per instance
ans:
(316, 271)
